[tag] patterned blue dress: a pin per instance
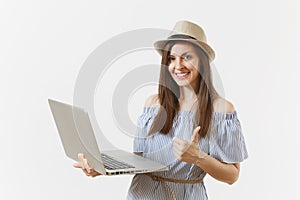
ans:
(224, 142)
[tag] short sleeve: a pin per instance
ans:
(226, 141)
(143, 125)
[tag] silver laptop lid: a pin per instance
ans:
(72, 123)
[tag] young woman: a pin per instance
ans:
(186, 126)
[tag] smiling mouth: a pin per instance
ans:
(182, 75)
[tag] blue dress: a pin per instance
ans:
(224, 142)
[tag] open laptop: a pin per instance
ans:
(77, 136)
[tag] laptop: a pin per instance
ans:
(77, 136)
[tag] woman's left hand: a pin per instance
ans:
(187, 151)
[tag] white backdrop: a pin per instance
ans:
(44, 43)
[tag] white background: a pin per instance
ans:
(44, 43)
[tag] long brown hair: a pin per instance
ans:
(168, 94)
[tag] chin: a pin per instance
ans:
(181, 84)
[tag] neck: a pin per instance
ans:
(187, 94)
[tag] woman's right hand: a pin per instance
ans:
(83, 164)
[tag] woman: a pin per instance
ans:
(187, 125)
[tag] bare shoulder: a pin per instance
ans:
(223, 105)
(152, 101)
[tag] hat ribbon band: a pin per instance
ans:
(181, 36)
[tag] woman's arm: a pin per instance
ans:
(189, 151)
(228, 173)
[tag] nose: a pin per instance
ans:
(178, 63)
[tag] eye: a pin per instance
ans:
(187, 57)
(171, 58)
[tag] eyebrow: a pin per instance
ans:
(182, 54)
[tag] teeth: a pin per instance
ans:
(182, 74)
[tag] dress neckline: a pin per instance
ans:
(229, 115)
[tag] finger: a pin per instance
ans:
(182, 147)
(178, 154)
(181, 143)
(178, 150)
(80, 156)
(95, 173)
(86, 165)
(80, 159)
(177, 140)
(86, 172)
(92, 173)
(178, 145)
(195, 136)
(77, 165)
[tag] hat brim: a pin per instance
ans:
(159, 46)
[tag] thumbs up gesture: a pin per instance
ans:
(187, 151)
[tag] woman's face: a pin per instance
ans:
(183, 64)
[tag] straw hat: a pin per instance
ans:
(190, 32)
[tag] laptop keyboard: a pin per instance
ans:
(112, 164)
